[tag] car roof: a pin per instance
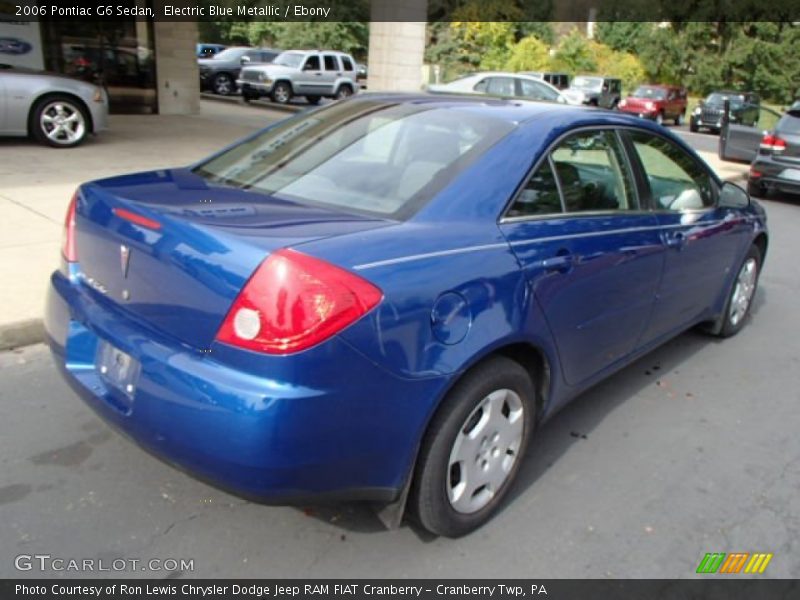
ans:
(511, 110)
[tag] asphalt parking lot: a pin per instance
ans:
(692, 449)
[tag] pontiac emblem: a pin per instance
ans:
(124, 259)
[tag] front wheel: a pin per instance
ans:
(679, 119)
(281, 93)
(59, 121)
(660, 118)
(473, 448)
(693, 128)
(741, 295)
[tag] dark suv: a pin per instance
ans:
(219, 73)
(708, 114)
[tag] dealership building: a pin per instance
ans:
(150, 65)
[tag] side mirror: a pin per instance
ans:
(733, 196)
(244, 60)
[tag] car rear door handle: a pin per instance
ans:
(675, 240)
(561, 262)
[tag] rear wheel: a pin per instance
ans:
(679, 119)
(281, 92)
(660, 118)
(59, 121)
(473, 448)
(344, 91)
(741, 295)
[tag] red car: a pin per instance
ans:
(657, 102)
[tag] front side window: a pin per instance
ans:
(371, 157)
(593, 174)
(312, 64)
(536, 91)
(289, 59)
(676, 180)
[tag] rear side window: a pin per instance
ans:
(539, 196)
(789, 124)
(536, 91)
(593, 174)
(347, 64)
(501, 86)
(676, 180)
(331, 64)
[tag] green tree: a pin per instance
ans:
(574, 54)
(529, 54)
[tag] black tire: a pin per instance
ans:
(223, 84)
(313, 99)
(344, 91)
(692, 127)
(756, 189)
(729, 327)
(60, 111)
(679, 119)
(660, 118)
(281, 93)
(429, 499)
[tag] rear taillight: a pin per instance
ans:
(68, 243)
(294, 301)
(773, 143)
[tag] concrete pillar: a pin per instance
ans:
(176, 67)
(397, 44)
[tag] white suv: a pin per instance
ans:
(311, 73)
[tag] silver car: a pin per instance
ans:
(510, 85)
(311, 73)
(54, 109)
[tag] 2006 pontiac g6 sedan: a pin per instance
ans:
(382, 299)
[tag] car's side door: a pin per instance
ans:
(308, 79)
(741, 142)
(331, 72)
(592, 256)
(701, 240)
(533, 90)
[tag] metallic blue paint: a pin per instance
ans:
(346, 417)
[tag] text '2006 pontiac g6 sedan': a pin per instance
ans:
(382, 299)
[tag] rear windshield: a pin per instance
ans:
(717, 98)
(646, 91)
(789, 123)
(367, 157)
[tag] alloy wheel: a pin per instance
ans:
(743, 291)
(63, 123)
(485, 451)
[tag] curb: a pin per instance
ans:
(21, 333)
(290, 108)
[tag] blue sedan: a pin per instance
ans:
(383, 299)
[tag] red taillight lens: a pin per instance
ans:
(68, 243)
(773, 142)
(133, 217)
(294, 301)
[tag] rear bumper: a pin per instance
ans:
(773, 175)
(326, 423)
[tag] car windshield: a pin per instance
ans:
(650, 92)
(587, 83)
(289, 59)
(371, 157)
(718, 98)
(230, 54)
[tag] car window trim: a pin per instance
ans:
(504, 218)
(642, 181)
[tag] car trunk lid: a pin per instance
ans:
(172, 252)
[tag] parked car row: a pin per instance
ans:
(220, 72)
